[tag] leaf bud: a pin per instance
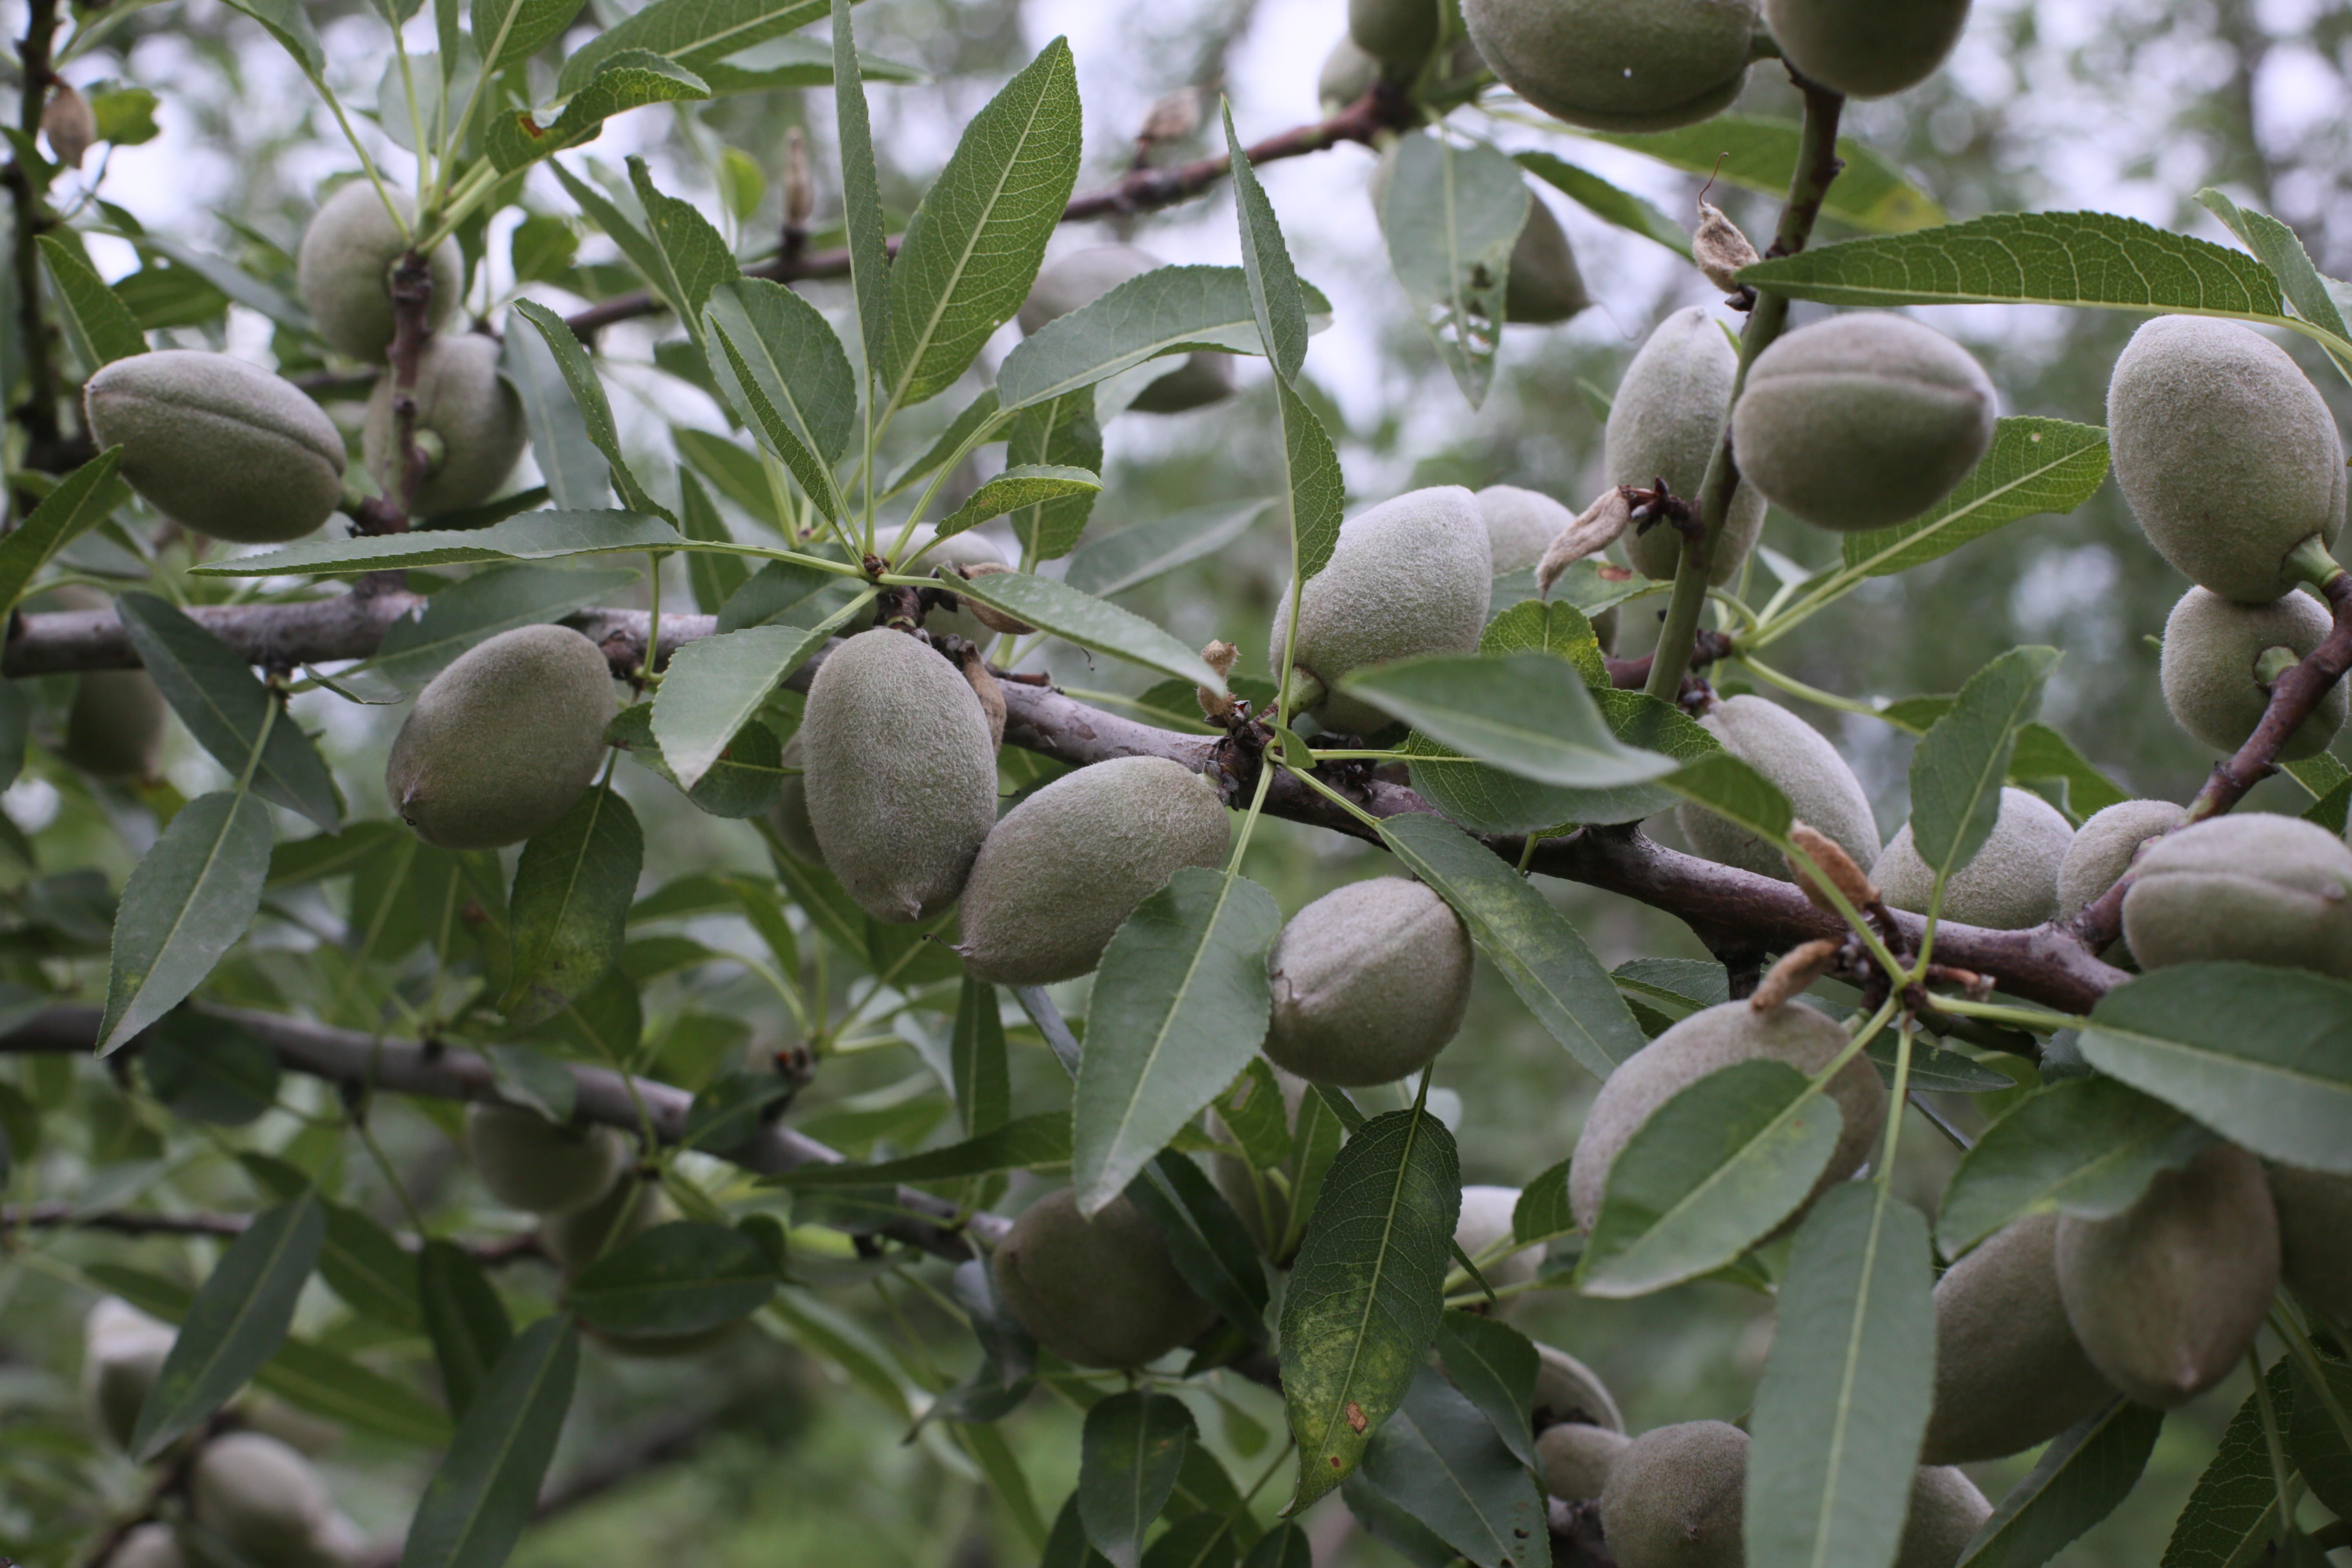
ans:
(70, 124)
(1834, 864)
(1221, 657)
(1797, 969)
(1601, 526)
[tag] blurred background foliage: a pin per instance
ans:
(773, 1458)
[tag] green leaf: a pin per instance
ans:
(2317, 1440)
(1529, 714)
(694, 32)
(487, 1488)
(1451, 215)
(691, 258)
(208, 1069)
(2080, 1478)
(2086, 1146)
(2232, 1514)
(1206, 1239)
(1488, 800)
(1067, 1546)
(1759, 154)
(1276, 296)
(736, 471)
(102, 324)
(1535, 946)
(1129, 1453)
(1542, 1212)
(1026, 1143)
(464, 1318)
(2276, 246)
(1196, 1541)
(2043, 758)
(2035, 466)
(631, 78)
(186, 903)
(1315, 491)
(713, 687)
(2041, 258)
(369, 1270)
(1495, 1367)
(533, 536)
(972, 249)
(683, 1278)
(234, 1323)
(1606, 202)
(1846, 1388)
(483, 605)
(1064, 434)
(1710, 1173)
(787, 376)
(1089, 622)
(290, 22)
(578, 479)
(579, 373)
(950, 442)
(1440, 1459)
(571, 892)
(1110, 564)
(124, 115)
(1956, 772)
(1256, 1116)
(225, 707)
(2261, 1056)
(1736, 792)
(861, 200)
(506, 31)
(542, 249)
(1167, 309)
(1283, 1546)
(1180, 1006)
(1367, 1290)
(79, 502)
(1030, 484)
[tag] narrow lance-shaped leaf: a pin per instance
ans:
(1030, 484)
(1605, 201)
(1037, 1141)
(1542, 954)
(983, 1090)
(1846, 1388)
(1165, 310)
(1274, 282)
(227, 709)
(1180, 1006)
(2035, 466)
(689, 31)
(102, 323)
(80, 501)
(1495, 1366)
(235, 1322)
(1956, 772)
(570, 901)
(486, 1487)
(684, 1278)
(1526, 714)
(632, 78)
(2087, 1147)
(185, 906)
(510, 30)
(2280, 250)
(861, 198)
(1315, 489)
(1065, 432)
(1451, 215)
(714, 686)
(1209, 1245)
(2079, 1480)
(533, 536)
(1089, 622)
(785, 371)
(1367, 1290)
(694, 260)
(972, 249)
(1441, 1460)
(1130, 1455)
(579, 373)
(481, 607)
(569, 461)
(464, 1318)
(1759, 153)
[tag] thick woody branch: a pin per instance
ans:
(2294, 697)
(1385, 108)
(349, 1058)
(2045, 965)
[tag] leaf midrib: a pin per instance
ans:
(1338, 1411)
(1168, 1017)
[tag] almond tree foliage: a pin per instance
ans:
(425, 1113)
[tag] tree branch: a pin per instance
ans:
(38, 413)
(1384, 108)
(348, 1057)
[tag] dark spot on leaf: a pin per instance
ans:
(1335, 1461)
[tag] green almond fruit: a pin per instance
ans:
(2009, 1373)
(900, 773)
(789, 816)
(115, 725)
(1618, 64)
(1666, 423)
(1945, 1513)
(2010, 884)
(2254, 886)
(2315, 1223)
(1348, 74)
(1066, 867)
(1866, 48)
(2211, 669)
(1370, 981)
(1575, 1460)
(469, 421)
(1800, 761)
(1545, 285)
(1568, 1390)
(2226, 452)
(1706, 1042)
(1100, 1293)
(2104, 848)
(1081, 278)
(1677, 1497)
(1520, 526)
(501, 743)
(577, 1238)
(343, 269)
(1863, 421)
(1398, 33)
(1414, 575)
(219, 445)
(1486, 1219)
(260, 1496)
(531, 1164)
(149, 1545)
(123, 1352)
(2167, 1296)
